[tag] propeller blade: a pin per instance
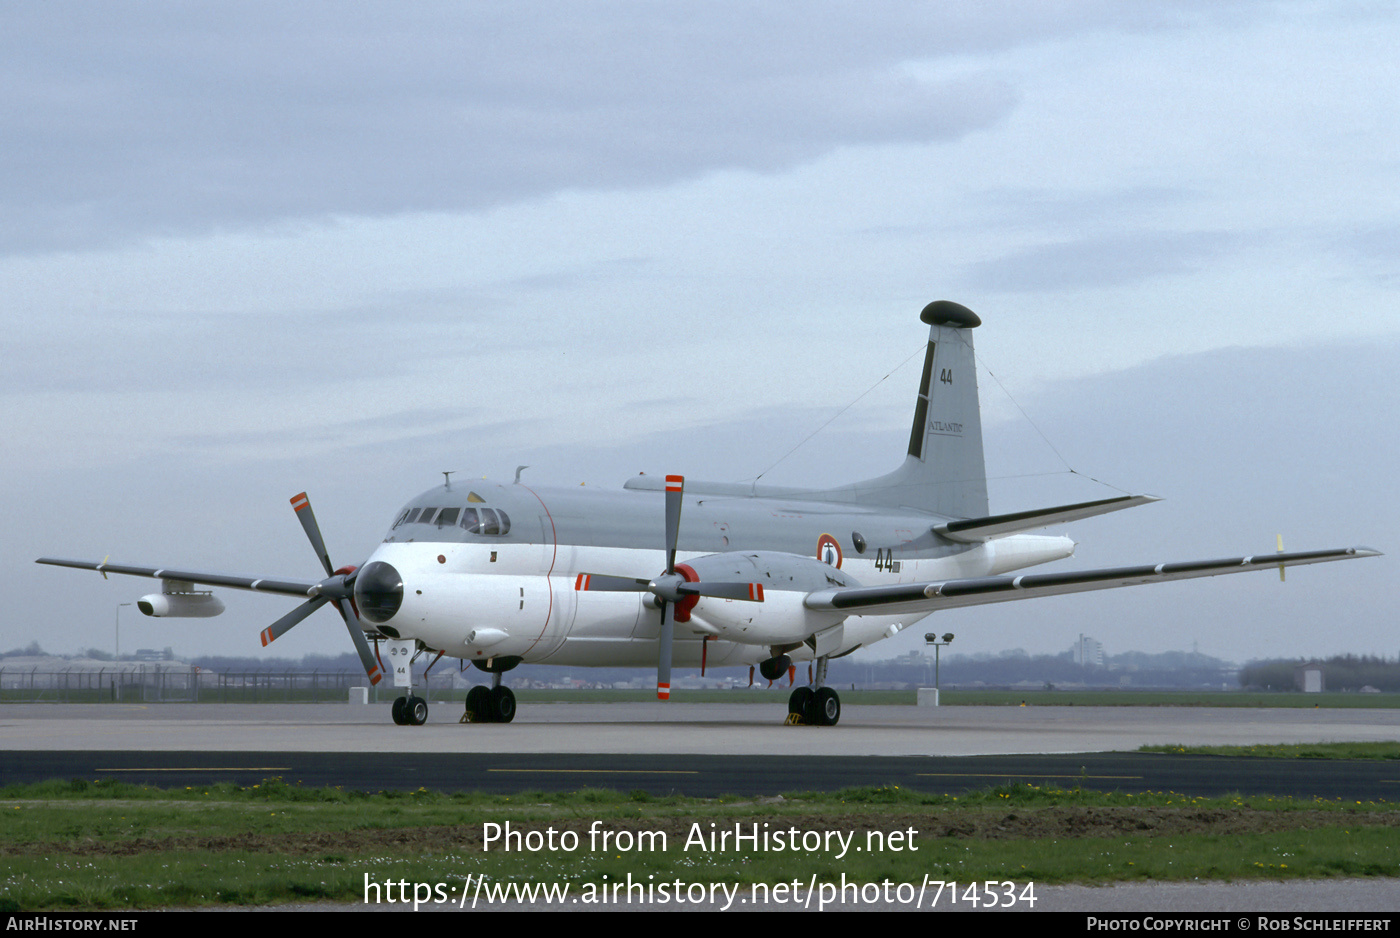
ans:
(336, 588)
(283, 625)
(663, 665)
(302, 504)
(357, 635)
(604, 583)
(675, 488)
(752, 592)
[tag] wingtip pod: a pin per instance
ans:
(948, 313)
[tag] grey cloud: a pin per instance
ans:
(1107, 260)
(1375, 250)
(1061, 210)
(121, 122)
(235, 353)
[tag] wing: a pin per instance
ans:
(281, 585)
(903, 598)
(337, 588)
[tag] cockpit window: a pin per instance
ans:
(490, 522)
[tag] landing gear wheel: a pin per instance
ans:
(415, 711)
(827, 707)
(400, 704)
(800, 705)
(479, 708)
(503, 703)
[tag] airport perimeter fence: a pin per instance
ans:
(156, 684)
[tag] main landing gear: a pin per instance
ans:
(495, 704)
(814, 705)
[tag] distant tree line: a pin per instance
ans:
(1132, 669)
(1339, 673)
(1129, 669)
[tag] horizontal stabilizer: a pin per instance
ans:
(923, 598)
(974, 530)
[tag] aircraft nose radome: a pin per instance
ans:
(378, 592)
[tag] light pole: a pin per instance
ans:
(119, 630)
(931, 638)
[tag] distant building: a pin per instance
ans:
(1308, 678)
(1088, 652)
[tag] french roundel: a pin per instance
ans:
(829, 550)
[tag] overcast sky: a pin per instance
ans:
(249, 249)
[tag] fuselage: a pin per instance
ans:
(490, 571)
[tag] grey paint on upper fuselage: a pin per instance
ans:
(941, 478)
(709, 523)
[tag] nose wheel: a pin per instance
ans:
(410, 711)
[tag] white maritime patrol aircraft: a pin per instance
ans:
(696, 574)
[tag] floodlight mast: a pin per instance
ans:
(931, 638)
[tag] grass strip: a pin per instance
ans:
(1355, 751)
(108, 844)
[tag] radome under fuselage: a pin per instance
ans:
(478, 594)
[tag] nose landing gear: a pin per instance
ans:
(410, 711)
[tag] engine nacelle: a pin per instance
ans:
(179, 599)
(781, 617)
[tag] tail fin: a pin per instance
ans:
(944, 471)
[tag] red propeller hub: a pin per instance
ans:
(686, 603)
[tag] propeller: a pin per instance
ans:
(676, 591)
(337, 588)
(665, 587)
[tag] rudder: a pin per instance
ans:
(944, 470)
